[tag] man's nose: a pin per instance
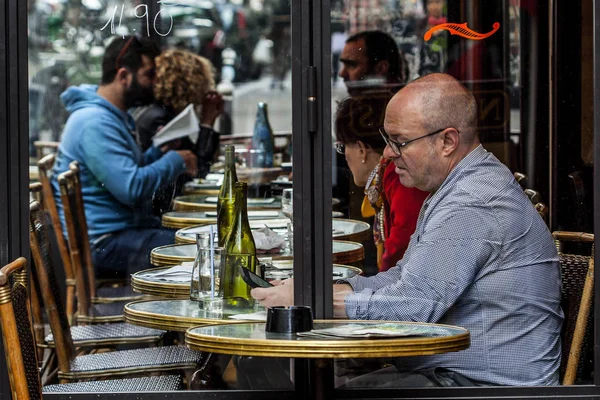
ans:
(343, 73)
(389, 153)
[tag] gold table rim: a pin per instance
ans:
(153, 320)
(343, 348)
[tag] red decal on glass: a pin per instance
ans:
(461, 30)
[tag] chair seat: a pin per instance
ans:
(109, 294)
(164, 383)
(111, 334)
(126, 362)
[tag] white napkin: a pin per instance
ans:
(177, 273)
(265, 239)
(256, 316)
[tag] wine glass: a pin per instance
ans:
(287, 208)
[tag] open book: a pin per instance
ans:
(184, 124)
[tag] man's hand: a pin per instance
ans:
(282, 294)
(340, 291)
(212, 107)
(191, 162)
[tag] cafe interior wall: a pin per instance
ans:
(310, 22)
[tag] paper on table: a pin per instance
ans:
(375, 330)
(177, 273)
(256, 316)
(184, 124)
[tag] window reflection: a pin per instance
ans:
(491, 74)
(225, 66)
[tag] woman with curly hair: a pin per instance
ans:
(182, 78)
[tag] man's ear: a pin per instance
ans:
(382, 67)
(123, 76)
(451, 141)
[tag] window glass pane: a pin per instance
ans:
(440, 274)
(150, 143)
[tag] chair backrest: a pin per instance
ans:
(35, 190)
(44, 277)
(82, 229)
(45, 170)
(521, 179)
(577, 271)
(19, 346)
(79, 247)
(43, 147)
(534, 196)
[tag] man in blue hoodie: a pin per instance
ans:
(117, 179)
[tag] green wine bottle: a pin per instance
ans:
(240, 252)
(225, 202)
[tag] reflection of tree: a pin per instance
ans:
(37, 25)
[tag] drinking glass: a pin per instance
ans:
(204, 285)
(287, 208)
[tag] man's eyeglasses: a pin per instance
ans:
(340, 147)
(397, 146)
(137, 38)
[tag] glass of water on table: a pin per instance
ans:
(287, 208)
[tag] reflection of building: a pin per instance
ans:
(365, 15)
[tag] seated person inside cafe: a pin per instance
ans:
(182, 78)
(481, 256)
(117, 178)
(372, 64)
(394, 206)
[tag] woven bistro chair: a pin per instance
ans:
(98, 294)
(45, 282)
(19, 345)
(577, 272)
(45, 170)
(109, 364)
(90, 307)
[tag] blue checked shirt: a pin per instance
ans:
(481, 258)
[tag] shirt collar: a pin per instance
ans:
(474, 156)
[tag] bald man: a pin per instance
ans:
(481, 257)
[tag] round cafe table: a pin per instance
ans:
(184, 219)
(344, 252)
(146, 283)
(251, 339)
(195, 202)
(343, 229)
(177, 314)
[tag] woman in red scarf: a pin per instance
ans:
(395, 207)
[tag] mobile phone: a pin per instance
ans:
(252, 279)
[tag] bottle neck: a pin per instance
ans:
(230, 157)
(230, 173)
